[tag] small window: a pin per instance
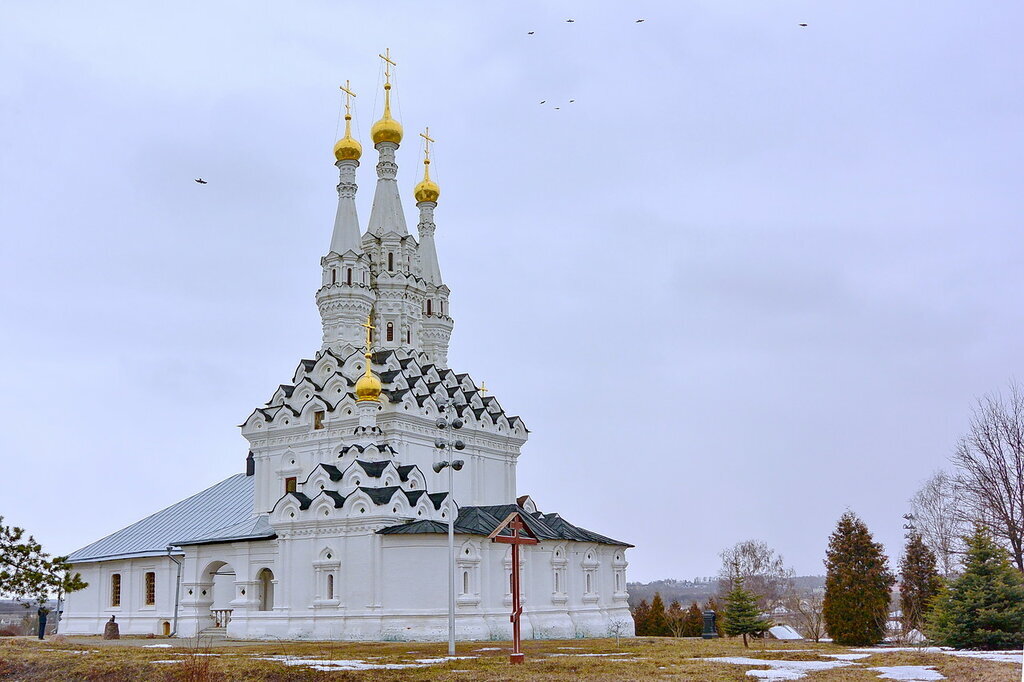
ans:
(330, 586)
(334, 276)
(289, 484)
(618, 582)
(391, 261)
(465, 582)
(588, 583)
(391, 331)
(557, 583)
(348, 276)
(441, 303)
(115, 590)
(318, 419)
(150, 588)
(408, 336)
(430, 307)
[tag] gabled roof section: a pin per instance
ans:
(257, 528)
(219, 507)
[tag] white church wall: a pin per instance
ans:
(86, 611)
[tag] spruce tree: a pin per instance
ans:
(857, 584)
(919, 582)
(742, 615)
(657, 623)
(984, 607)
(694, 621)
(641, 617)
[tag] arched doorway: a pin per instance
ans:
(265, 578)
(218, 589)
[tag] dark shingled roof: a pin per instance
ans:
(333, 471)
(338, 498)
(482, 520)
(403, 471)
(437, 499)
(303, 500)
(374, 469)
(380, 495)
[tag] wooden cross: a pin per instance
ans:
(347, 89)
(520, 535)
(388, 63)
(426, 145)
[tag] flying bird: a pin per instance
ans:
(201, 181)
(570, 21)
(543, 100)
(639, 21)
(556, 108)
(571, 101)
(529, 33)
(803, 25)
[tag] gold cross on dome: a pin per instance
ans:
(428, 139)
(368, 325)
(388, 63)
(483, 387)
(347, 89)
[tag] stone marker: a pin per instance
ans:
(111, 630)
(710, 631)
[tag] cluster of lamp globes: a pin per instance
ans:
(442, 444)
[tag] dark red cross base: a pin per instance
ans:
(520, 534)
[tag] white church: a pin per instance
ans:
(337, 528)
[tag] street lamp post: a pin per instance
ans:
(441, 443)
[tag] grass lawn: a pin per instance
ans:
(643, 658)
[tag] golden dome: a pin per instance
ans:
(427, 189)
(348, 148)
(386, 129)
(368, 387)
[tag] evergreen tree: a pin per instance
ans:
(742, 615)
(641, 617)
(984, 607)
(919, 582)
(693, 621)
(857, 584)
(657, 623)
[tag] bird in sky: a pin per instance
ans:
(570, 21)
(529, 33)
(571, 101)
(639, 21)
(543, 100)
(557, 108)
(201, 181)
(803, 25)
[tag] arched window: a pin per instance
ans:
(266, 581)
(348, 276)
(465, 582)
(430, 307)
(334, 276)
(391, 261)
(391, 331)
(557, 581)
(441, 303)
(618, 582)
(330, 586)
(588, 583)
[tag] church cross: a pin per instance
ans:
(426, 145)
(483, 388)
(368, 326)
(388, 63)
(521, 535)
(347, 89)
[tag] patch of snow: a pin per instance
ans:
(167, 661)
(327, 665)
(908, 673)
(846, 657)
(780, 670)
(489, 648)
(619, 654)
(573, 648)
(894, 649)
(998, 656)
(156, 646)
(443, 659)
(784, 632)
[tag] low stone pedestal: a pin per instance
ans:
(111, 630)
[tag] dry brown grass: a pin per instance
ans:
(645, 659)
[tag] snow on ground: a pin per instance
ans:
(998, 656)
(620, 654)
(781, 670)
(909, 673)
(489, 648)
(341, 664)
(846, 657)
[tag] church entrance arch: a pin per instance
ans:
(218, 581)
(266, 585)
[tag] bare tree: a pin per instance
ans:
(763, 571)
(990, 460)
(808, 614)
(936, 513)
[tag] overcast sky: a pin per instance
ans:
(755, 275)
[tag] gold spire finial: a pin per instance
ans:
(483, 387)
(387, 129)
(348, 148)
(427, 189)
(368, 387)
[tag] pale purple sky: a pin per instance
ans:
(754, 276)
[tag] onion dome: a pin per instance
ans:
(427, 189)
(386, 129)
(348, 148)
(368, 387)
